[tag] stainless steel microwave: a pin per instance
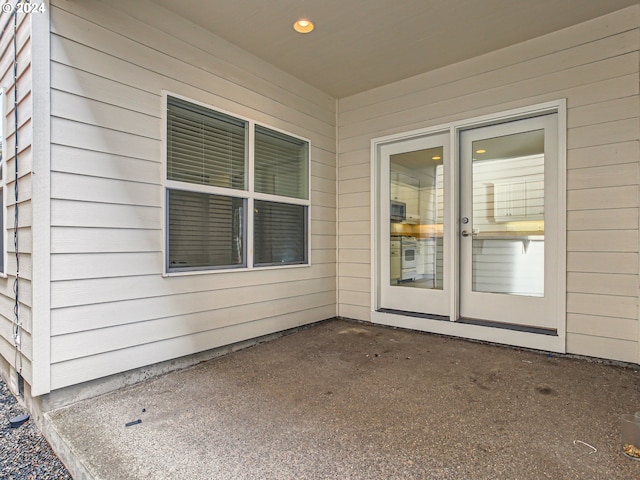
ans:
(398, 211)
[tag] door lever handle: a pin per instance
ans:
(473, 231)
(464, 233)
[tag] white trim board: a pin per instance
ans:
(41, 201)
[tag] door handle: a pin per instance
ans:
(474, 231)
(464, 233)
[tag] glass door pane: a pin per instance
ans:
(416, 218)
(508, 214)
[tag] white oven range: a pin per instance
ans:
(409, 259)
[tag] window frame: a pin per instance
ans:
(249, 195)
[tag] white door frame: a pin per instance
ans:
(453, 327)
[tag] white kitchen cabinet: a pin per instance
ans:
(409, 195)
(412, 199)
(394, 188)
(518, 200)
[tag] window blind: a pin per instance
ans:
(280, 233)
(204, 146)
(205, 231)
(281, 164)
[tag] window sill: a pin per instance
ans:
(232, 270)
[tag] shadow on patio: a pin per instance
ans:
(346, 400)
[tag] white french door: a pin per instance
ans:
(480, 246)
(508, 234)
(414, 262)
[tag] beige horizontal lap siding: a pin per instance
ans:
(354, 247)
(594, 66)
(24, 206)
(87, 368)
(112, 310)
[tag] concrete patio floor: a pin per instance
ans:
(343, 400)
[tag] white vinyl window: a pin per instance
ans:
(231, 182)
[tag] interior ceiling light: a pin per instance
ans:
(481, 150)
(437, 157)
(303, 26)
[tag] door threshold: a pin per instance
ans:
(509, 326)
(414, 314)
(474, 321)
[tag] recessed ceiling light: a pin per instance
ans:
(303, 26)
(481, 150)
(437, 157)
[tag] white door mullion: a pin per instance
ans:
(452, 225)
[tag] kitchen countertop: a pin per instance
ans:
(483, 236)
(511, 235)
